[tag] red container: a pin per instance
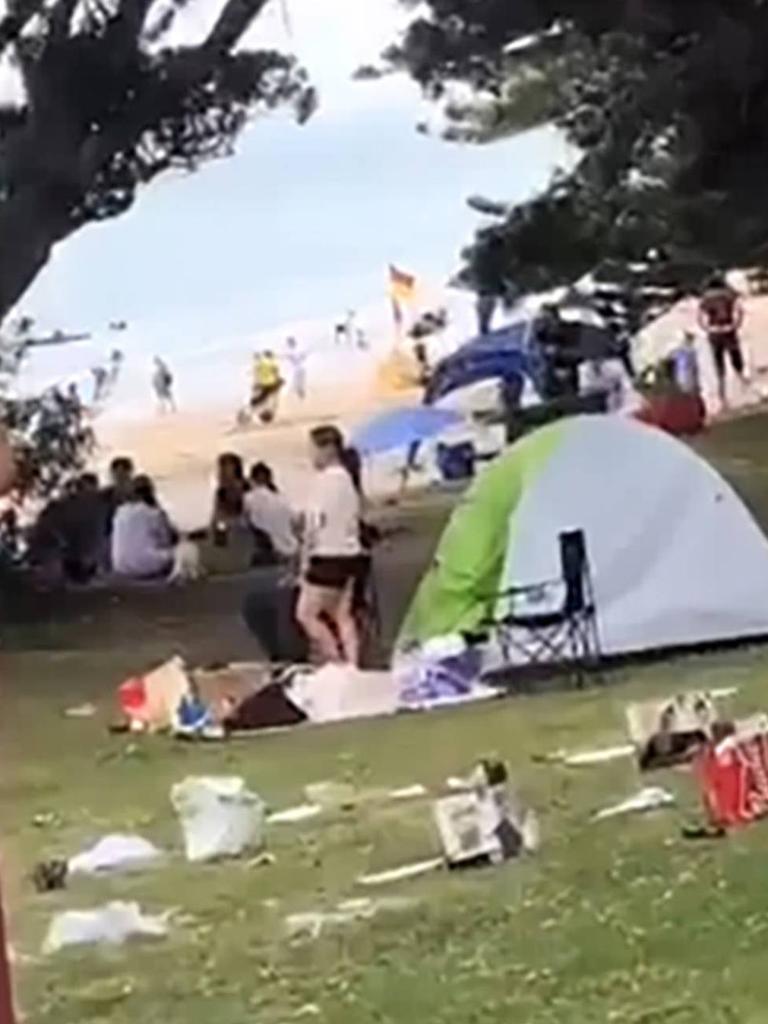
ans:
(734, 780)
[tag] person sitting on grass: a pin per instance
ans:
(143, 540)
(271, 518)
(231, 489)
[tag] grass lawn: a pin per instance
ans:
(620, 921)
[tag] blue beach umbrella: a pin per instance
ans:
(403, 427)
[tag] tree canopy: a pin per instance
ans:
(106, 102)
(665, 102)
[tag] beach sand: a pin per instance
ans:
(179, 450)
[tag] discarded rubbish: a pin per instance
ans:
(150, 702)
(732, 772)
(331, 794)
(408, 792)
(115, 853)
(484, 819)
(50, 875)
(671, 731)
(311, 925)
(336, 693)
(110, 925)
(587, 758)
(81, 711)
(401, 874)
(192, 716)
(219, 817)
(652, 798)
(292, 815)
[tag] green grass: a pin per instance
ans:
(620, 921)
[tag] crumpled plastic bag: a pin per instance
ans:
(219, 817)
(110, 925)
(115, 853)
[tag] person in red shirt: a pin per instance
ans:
(721, 316)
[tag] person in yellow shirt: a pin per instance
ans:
(267, 383)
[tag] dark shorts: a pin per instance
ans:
(260, 395)
(727, 347)
(335, 573)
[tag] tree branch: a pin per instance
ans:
(132, 15)
(60, 19)
(20, 12)
(232, 23)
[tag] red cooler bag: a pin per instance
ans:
(734, 780)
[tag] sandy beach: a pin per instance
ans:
(179, 450)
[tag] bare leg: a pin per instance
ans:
(312, 604)
(722, 392)
(345, 622)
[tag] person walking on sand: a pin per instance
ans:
(297, 360)
(332, 552)
(162, 382)
(721, 316)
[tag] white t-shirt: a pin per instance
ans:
(142, 544)
(271, 513)
(333, 515)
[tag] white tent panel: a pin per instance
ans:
(676, 557)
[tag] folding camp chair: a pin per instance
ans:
(565, 635)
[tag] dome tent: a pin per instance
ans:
(676, 558)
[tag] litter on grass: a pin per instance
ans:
(401, 874)
(732, 774)
(219, 817)
(484, 818)
(586, 759)
(294, 815)
(110, 925)
(311, 925)
(408, 792)
(115, 853)
(81, 711)
(672, 730)
(329, 794)
(652, 798)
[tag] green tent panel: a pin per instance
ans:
(461, 587)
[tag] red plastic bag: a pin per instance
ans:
(132, 697)
(734, 780)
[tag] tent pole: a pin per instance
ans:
(7, 1014)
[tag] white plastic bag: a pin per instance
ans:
(110, 925)
(115, 853)
(219, 817)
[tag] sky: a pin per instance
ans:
(303, 221)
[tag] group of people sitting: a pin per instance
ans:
(91, 530)
(122, 530)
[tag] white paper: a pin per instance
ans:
(110, 925)
(652, 798)
(423, 867)
(115, 853)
